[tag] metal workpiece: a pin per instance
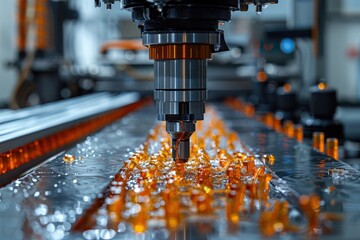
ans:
(47, 201)
(180, 132)
(27, 142)
(60, 192)
(26, 125)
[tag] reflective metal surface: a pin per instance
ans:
(211, 38)
(184, 74)
(47, 201)
(301, 170)
(23, 126)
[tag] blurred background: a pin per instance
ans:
(53, 50)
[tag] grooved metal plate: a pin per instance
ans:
(48, 200)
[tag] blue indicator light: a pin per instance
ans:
(287, 45)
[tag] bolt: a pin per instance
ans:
(258, 8)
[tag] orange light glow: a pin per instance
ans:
(275, 219)
(287, 87)
(299, 133)
(332, 148)
(152, 187)
(243, 177)
(289, 128)
(261, 76)
(322, 86)
(319, 141)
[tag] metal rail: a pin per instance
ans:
(23, 126)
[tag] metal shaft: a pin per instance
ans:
(180, 89)
(180, 94)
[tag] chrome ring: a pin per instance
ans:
(211, 38)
